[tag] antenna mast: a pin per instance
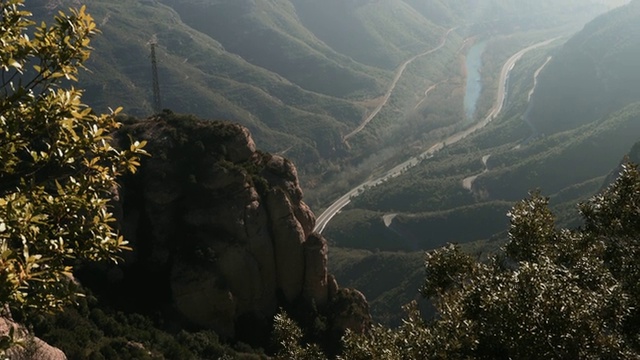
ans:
(154, 73)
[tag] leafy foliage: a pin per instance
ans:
(57, 167)
(556, 293)
(288, 336)
(93, 330)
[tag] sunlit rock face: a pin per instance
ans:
(220, 233)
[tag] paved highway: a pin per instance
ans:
(467, 183)
(344, 200)
(396, 78)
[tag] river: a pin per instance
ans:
(473, 87)
(336, 206)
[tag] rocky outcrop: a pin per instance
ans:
(349, 310)
(29, 347)
(219, 230)
(288, 245)
(316, 287)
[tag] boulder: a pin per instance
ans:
(31, 346)
(315, 276)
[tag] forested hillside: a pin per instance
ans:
(218, 241)
(300, 74)
(197, 75)
(271, 36)
(463, 193)
(595, 74)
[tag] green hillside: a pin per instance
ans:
(197, 75)
(270, 35)
(596, 73)
(563, 163)
(567, 158)
(377, 33)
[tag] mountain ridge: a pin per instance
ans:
(317, 96)
(570, 163)
(594, 74)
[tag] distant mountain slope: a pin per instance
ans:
(287, 69)
(269, 34)
(596, 73)
(376, 33)
(382, 33)
(197, 75)
(523, 14)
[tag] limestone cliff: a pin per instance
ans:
(219, 231)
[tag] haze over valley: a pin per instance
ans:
(350, 90)
(302, 75)
(407, 125)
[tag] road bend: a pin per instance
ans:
(344, 200)
(392, 87)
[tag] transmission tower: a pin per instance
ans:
(154, 73)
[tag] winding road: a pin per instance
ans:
(467, 182)
(344, 200)
(426, 95)
(535, 78)
(396, 78)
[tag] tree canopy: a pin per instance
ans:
(58, 168)
(552, 293)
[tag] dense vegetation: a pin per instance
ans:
(296, 72)
(553, 293)
(522, 155)
(58, 168)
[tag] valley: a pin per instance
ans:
(366, 97)
(397, 170)
(461, 195)
(283, 72)
(324, 166)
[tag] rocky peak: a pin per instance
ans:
(220, 233)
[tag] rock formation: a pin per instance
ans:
(30, 347)
(349, 310)
(316, 286)
(219, 230)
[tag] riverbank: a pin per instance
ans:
(397, 170)
(473, 84)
